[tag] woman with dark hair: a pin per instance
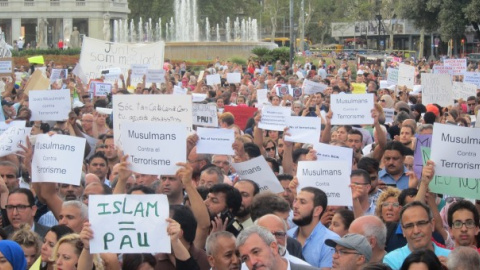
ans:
(341, 221)
(144, 261)
(424, 258)
(46, 250)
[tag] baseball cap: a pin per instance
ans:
(354, 241)
(434, 109)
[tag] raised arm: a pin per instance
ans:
(381, 137)
(123, 174)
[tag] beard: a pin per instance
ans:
(243, 212)
(303, 221)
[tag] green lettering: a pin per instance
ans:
(108, 237)
(104, 212)
(116, 205)
(153, 206)
(126, 241)
(124, 205)
(145, 244)
(139, 209)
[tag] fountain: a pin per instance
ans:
(182, 34)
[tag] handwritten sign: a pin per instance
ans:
(303, 129)
(177, 90)
(392, 76)
(137, 223)
(311, 87)
(50, 105)
(198, 97)
(473, 78)
(50, 156)
(463, 90)
(154, 148)
(205, 115)
(11, 138)
(242, 114)
(78, 71)
(437, 69)
(257, 169)
(216, 141)
(437, 88)
(334, 153)
(422, 141)
(333, 177)
(459, 65)
(155, 75)
(111, 73)
(101, 89)
(234, 77)
(138, 70)
(148, 108)
(213, 79)
(6, 66)
(17, 123)
(406, 75)
(389, 114)
(274, 118)
(99, 55)
(455, 150)
(351, 109)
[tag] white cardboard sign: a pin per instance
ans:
(177, 90)
(472, 77)
(303, 129)
(389, 115)
(57, 74)
(257, 169)
(274, 118)
(311, 87)
(406, 75)
(351, 109)
(437, 69)
(155, 75)
(234, 77)
(58, 158)
(11, 138)
(50, 105)
(463, 90)
(217, 141)
(459, 65)
(138, 70)
(17, 123)
(205, 115)
(334, 153)
(437, 88)
(392, 76)
(101, 89)
(213, 79)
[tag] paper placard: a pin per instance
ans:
(36, 82)
(332, 177)
(111, 73)
(241, 114)
(177, 90)
(138, 70)
(262, 98)
(392, 76)
(472, 77)
(334, 153)
(6, 66)
(198, 97)
(406, 76)
(359, 88)
(437, 88)
(283, 89)
(213, 79)
(311, 87)
(101, 89)
(274, 118)
(151, 108)
(200, 76)
(389, 115)
(11, 138)
(106, 111)
(154, 148)
(58, 158)
(155, 75)
(50, 105)
(78, 71)
(351, 109)
(303, 129)
(137, 223)
(17, 123)
(217, 141)
(437, 69)
(459, 65)
(100, 54)
(205, 115)
(58, 74)
(234, 77)
(258, 170)
(300, 74)
(463, 90)
(455, 150)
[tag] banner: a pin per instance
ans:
(97, 55)
(241, 114)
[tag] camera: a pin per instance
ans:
(233, 225)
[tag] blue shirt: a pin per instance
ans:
(315, 251)
(401, 183)
(395, 258)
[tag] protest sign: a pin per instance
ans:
(37, 82)
(351, 109)
(11, 138)
(200, 76)
(213, 79)
(177, 90)
(258, 170)
(137, 223)
(459, 65)
(262, 98)
(100, 54)
(50, 105)
(283, 89)
(472, 77)
(198, 97)
(303, 129)
(422, 141)
(437, 88)
(311, 87)
(36, 60)
(274, 118)
(234, 77)
(58, 158)
(102, 89)
(58, 74)
(437, 69)
(111, 73)
(138, 70)
(6, 66)
(151, 108)
(205, 115)
(241, 114)
(392, 76)
(333, 177)
(17, 123)
(389, 114)
(106, 111)
(359, 88)
(78, 71)
(406, 75)
(154, 148)
(4, 49)
(454, 186)
(155, 75)
(455, 150)
(217, 141)
(334, 153)
(300, 74)
(463, 90)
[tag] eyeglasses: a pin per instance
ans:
(9, 176)
(279, 234)
(20, 207)
(221, 162)
(388, 204)
(360, 184)
(382, 100)
(419, 224)
(458, 224)
(342, 252)
(471, 104)
(270, 149)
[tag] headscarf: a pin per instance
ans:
(388, 101)
(14, 254)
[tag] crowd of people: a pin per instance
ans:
(218, 220)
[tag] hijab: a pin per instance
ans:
(14, 254)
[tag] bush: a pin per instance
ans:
(238, 60)
(282, 54)
(34, 52)
(260, 51)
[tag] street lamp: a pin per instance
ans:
(379, 18)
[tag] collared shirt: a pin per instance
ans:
(314, 250)
(401, 183)
(395, 258)
(374, 196)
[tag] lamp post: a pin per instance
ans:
(379, 18)
(292, 40)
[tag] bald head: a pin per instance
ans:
(275, 225)
(91, 178)
(370, 226)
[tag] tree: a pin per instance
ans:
(273, 9)
(472, 14)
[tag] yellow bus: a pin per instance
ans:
(285, 42)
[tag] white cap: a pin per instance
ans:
(360, 72)
(78, 104)
(391, 87)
